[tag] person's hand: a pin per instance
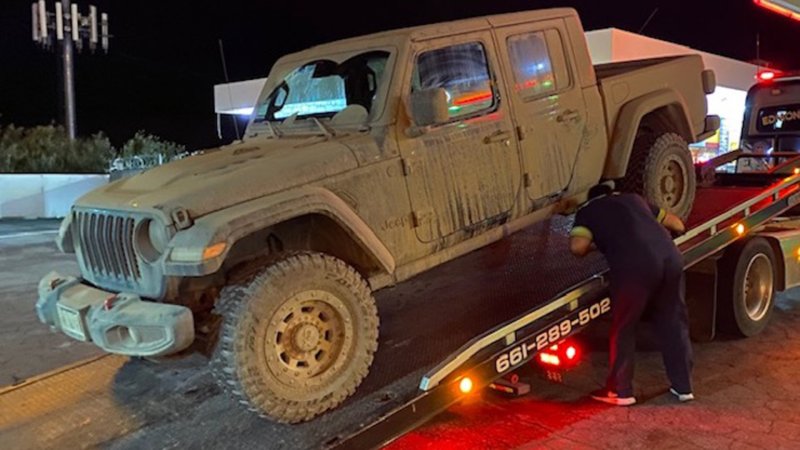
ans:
(567, 206)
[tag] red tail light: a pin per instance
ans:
(562, 355)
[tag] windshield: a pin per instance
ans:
(322, 88)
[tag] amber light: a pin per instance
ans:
(214, 251)
(465, 386)
(739, 229)
(797, 170)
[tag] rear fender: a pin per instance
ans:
(667, 103)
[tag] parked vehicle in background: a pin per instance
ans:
(771, 122)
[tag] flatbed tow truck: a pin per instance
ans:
(493, 311)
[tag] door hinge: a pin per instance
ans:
(526, 180)
(520, 133)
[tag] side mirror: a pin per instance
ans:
(429, 107)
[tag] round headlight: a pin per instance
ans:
(151, 240)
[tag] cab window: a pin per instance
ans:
(537, 69)
(462, 70)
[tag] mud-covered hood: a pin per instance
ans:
(234, 174)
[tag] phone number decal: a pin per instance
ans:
(553, 335)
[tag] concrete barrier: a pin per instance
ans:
(37, 196)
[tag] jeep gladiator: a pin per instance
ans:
(366, 161)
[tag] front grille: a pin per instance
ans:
(106, 245)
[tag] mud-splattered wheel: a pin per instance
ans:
(309, 333)
(662, 171)
(298, 338)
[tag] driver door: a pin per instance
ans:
(462, 175)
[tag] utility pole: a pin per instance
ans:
(68, 28)
(68, 67)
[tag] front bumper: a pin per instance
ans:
(118, 323)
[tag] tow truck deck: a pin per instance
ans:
(479, 317)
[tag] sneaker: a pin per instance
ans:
(682, 397)
(610, 397)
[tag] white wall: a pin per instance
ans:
(237, 98)
(615, 45)
(43, 196)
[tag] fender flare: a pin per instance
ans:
(236, 222)
(630, 118)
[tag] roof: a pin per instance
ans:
(434, 30)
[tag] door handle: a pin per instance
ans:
(569, 115)
(499, 136)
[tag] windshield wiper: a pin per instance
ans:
(326, 130)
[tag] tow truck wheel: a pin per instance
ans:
(748, 292)
(661, 170)
(298, 338)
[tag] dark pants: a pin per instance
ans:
(659, 286)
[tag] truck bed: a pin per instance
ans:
(625, 81)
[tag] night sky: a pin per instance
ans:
(165, 59)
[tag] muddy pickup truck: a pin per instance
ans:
(366, 161)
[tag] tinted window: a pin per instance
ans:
(779, 118)
(463, 72)
(531, 63)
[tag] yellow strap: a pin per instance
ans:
(662, 214)
(581, 232)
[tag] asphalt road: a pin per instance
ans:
(27, 347)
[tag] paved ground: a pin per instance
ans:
(748, 392)
(748, 395)
(27, 348)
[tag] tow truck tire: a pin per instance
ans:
(297, 338)
(747, 292)
(662, 171)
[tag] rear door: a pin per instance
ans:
(462, 175)
(547, 103)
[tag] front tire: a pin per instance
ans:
(298, 338)
(662, 171)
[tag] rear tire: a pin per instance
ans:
(661, 170)
(747, 288)
(298, 338)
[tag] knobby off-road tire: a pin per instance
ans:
(747, 288)
(297, 338)
(662, 171)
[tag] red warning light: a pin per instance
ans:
(559, 355)
(571, 352)
(766, 76)
(549, 359)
